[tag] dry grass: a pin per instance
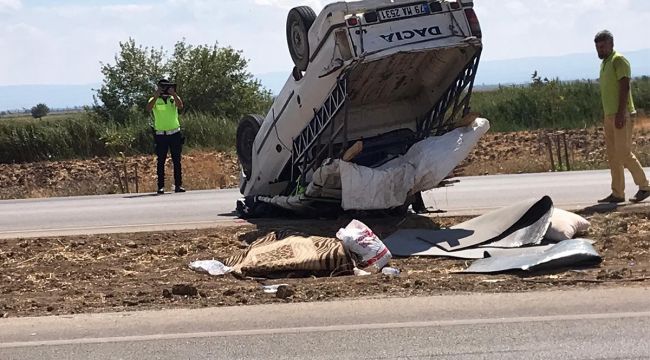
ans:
(496, 153)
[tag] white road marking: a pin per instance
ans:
(332, 328)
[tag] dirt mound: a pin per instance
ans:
(527, 151)
(202, 170)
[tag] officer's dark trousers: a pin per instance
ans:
(174, 144)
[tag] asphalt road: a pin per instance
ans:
(201, 209)
(581, 324)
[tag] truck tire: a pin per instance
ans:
(247, 130)
(299, 21)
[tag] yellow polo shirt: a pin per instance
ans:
(613, 69)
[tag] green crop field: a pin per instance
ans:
(555, 105)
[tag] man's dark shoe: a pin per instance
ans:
(161, 191)
(611, 199)
(640, 196)
(179, 189)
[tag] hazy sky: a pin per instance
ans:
(63, 41)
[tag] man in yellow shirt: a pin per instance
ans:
(165, 104)
(615, 75)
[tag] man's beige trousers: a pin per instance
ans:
(620, 156)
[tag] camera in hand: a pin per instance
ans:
(165, 86)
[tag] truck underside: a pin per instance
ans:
(390, 104)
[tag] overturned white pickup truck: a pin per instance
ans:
(381, 75)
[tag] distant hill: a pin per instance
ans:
(16, 97)
(519, 71)
(567, 67)
(516, 71)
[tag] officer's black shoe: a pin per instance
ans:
(161, 191)
(179, 189)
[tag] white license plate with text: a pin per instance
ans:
(403, 12)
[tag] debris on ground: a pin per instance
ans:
(358, 239)
(506, 239)
(167, 294)
(212, 267)
(93, 273)
(131, 244)
(184, 290)
(359, 272)
(517, 225)
(390, 271)
(272, 289)
(284, 292)
(566, 225)
(291, 254)
(567, 253)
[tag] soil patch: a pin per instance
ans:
(201, 170)
(99, 273)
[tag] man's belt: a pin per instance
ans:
(168, 132)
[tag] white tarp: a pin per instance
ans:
(436, 157)
(365, 188)
(422, 168)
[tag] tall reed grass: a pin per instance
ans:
(551, 105)
(82, 135)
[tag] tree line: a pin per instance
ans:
(211, 80)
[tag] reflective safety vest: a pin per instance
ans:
(165, 115)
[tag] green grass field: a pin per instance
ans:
(552, 105)
(83, 135)
(53, 115)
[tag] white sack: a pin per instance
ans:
(565, 225)
(359, 239)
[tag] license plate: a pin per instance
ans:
(403, 12)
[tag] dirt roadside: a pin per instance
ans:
(202, 170)
(496, 153)
(126, 272)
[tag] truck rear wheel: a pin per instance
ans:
(247, 130)
(299, 21)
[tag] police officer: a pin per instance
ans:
(165, 104)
